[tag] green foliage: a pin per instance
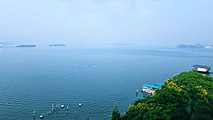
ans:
(115, 113)
(187, 96)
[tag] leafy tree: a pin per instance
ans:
(187, 96)
(115, 113)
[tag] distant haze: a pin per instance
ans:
(147, 23)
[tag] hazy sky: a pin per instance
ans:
(107, 22)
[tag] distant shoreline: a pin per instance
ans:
(57, 45)
(26, 46)
(196, 46)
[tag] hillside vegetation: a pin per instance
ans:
(187, 96)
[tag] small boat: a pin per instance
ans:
(201, 68)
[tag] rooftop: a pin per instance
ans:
(152, 86)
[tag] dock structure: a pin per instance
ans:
(150, 89)
(201, 68)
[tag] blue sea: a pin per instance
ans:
(35, 78)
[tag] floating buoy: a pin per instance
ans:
(62, 106)
(79, 104)
(41, 116)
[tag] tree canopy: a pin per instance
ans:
(187, 96)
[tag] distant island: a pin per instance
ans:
(57, 45)
(26, 46)
(196, 46)
(9, 45)
(187, 96)
(6, 44)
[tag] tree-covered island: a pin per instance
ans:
(187, 96)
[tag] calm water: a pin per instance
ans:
(33, 78)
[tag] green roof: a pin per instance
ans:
(152, 86)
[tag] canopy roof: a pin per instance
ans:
(152, 86)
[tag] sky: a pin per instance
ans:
(146, 23)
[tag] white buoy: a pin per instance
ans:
(79, 104)
(41, 116)
(62, 106)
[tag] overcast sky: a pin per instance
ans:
(107, 22)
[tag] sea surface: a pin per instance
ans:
(34, 79)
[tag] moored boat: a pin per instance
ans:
(201, 68)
